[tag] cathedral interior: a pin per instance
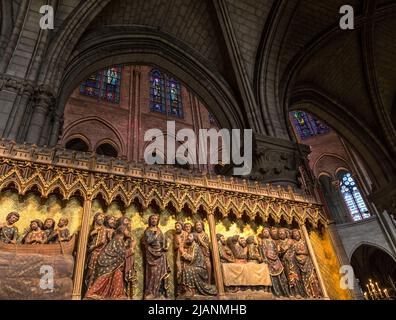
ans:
(314, 219)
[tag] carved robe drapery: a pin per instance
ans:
(195, 274)
(307, 270)
(109, 281)
(8, 234)
(178, 243)
(287, 253)
(157, 268)
(270, 254)
(98, 241)
(204, 244)
(225, 252)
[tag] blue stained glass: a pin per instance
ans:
(111, 84)
(157, 92)
(174, 98)
(308, 126)
(105, 85)
(91, 86)
(353, 198)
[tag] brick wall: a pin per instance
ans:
(125, 124)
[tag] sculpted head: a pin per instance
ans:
(179, 227)
(296, 234)
(36, 225)
(242, 242)
(153, 220)
(188, 227)
(221, 239)
(252, 240)
(63, 222)
(199, 227)
(12, 217)
(110, 222)
(191, 238)
(123, 221)
(99, 218)
(266, 233)
(282, 233)
(49, 223)
(274, 233)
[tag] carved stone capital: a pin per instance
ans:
(277, 161)
(16, 85)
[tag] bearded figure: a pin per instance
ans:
(269, 252)
(225, 252)
(239, 248)
(8, 231)
(62, 231)
(35, 235)
(253, 251)
(110, 224)
(157, 267)
(110, 280)
(287, 254)
(194, 276)
(49, 229)
(204, 243)
(179, 239)
(188, 227)
(98, 239)
(307, 270)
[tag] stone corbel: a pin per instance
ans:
(277, 161)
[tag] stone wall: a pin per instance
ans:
(365, 232)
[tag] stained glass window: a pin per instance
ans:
(212, 119)
(307, 125)
(157, 92)
(174, 98)
(104, 85)
(353, 198)
(111, 85)
(91, 86)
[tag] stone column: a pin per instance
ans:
(43, 102)
(215, 255)
(82, 251)
(56, 129)
(314, 260)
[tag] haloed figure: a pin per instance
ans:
(157, 268)
(98, 239)
(49, 230)
(109, 278)
(62, 231)
(203, 242)
(179, 239)
(35, 234)
(225, 252)
(188, 227)
(306, 267)
(269, 252)
(194, 277)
